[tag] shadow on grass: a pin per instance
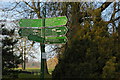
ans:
(25, 75)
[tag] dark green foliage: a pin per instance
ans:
(10, 59)
(89, 56)
(92, 52)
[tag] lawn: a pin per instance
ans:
(34, 76)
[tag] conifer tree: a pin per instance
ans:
(10, 59)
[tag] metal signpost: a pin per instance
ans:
(55, 21)
(48, 40)
(45, 31)
(51, 31)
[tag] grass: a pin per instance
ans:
(36, 75)
(24, 75)
(36, 70)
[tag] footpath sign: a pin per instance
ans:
(53, 30)
(48, 40)
(55, 21)
(44, 31)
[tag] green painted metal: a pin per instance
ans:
(55, 40)
(55, 21)
(48, 40)
(55, 31)
(36, 38)
(51, 38)
(25, 32)
(41, 35)
(30, 23)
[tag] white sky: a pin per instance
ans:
(59, 0)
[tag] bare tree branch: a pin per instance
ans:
(33, 3)
(6, 9)
(38, 4)
(115, 11)
(31, 45)
(104, 6)
(113, 20)
(21, 12)
(29, 5)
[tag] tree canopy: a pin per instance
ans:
(91, 51)
(10, 59)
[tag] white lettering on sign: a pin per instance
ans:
(58, 31)
(53, 29)
(35, 30)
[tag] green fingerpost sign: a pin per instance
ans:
(55, 40)
(35, 38)
(55, 21)
(50, 33)
(48, 40)
(53, 31)
(25, 32)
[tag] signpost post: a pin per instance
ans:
(43, 55)
(45, 31)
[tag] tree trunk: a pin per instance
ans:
(24, 62)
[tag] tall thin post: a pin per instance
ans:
(43, 58)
